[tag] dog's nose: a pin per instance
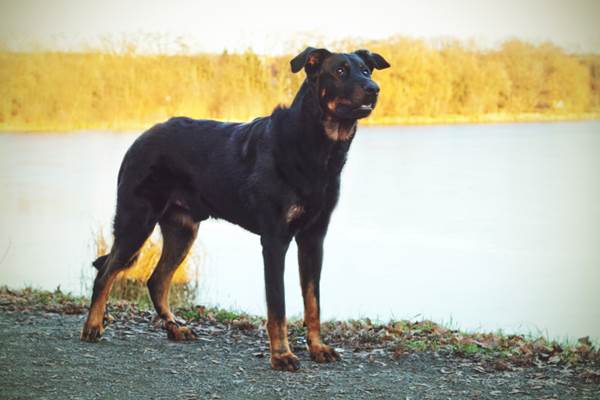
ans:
(371, 88)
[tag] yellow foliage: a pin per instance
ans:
(131, 284)
(143, 267)
(52, 91)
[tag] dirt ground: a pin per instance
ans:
(42, 357)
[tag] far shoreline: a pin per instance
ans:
(494, 118)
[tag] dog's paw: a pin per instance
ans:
(91, 333)
(179, 333)
(322, 353)
(285, 361)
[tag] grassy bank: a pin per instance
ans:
(58, 91)
(495, 351)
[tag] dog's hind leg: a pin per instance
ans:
(179, 231)
(133, 224)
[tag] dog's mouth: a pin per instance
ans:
(344, 108)
(366, 107)
(363, 110)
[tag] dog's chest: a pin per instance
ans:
(304, 210)
(293, 212)
(338, 131)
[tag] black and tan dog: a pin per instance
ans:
(277, 176)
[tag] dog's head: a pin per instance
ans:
(343, 80)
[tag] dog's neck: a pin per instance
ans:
(307, 155)
(307, 104)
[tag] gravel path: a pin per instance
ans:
(41, 357)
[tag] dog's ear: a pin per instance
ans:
(310, 59)
(373, 60)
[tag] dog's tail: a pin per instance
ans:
(100, 261)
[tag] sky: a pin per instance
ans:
(272, 26)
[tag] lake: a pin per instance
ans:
(482, 227)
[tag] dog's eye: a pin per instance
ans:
(366, 72)
(340, 71)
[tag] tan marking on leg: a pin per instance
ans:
(179, 232)
(311, 315)
(319, 351)
(160, 295)
(179, 333)
(94, 325)
(293, 212)
(159, 286)
(277, 331)
(282, 357)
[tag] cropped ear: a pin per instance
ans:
(310, 59)
(373, 60)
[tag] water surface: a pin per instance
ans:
(485, 226)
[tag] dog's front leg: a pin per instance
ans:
(310, 260)
(274, 249)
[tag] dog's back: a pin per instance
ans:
(202, 166)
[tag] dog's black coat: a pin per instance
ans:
(277, 176)
(248, 174)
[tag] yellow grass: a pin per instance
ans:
(144, 266)
(131, 283)
(58, 91)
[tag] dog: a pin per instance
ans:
(277, 177)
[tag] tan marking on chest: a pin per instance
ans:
(337, 131)
(294, 212)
